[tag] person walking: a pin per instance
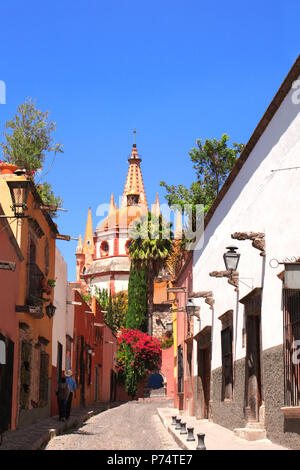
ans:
(62, 393)
(72, 387)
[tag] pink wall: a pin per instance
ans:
(184, 280)
(108, 362)
(9, 324)
(167, 369)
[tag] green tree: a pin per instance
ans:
(115, 306)
(213, 160)
(119, 309)
(102, 297)
(28, 141)
(150, 247)
(108, 317)
(136, 316)
(48, 197)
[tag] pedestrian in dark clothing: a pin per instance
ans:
(62, 393)
(72, 387)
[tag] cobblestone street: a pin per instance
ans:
(131, 426)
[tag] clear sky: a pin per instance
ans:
(174, 70)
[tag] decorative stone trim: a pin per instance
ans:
(291, 412)
(258, 239)
(226, 319)
(207, 295)
(233, 277)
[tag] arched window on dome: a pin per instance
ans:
(84, 270)
(127, 246)
(104, 249)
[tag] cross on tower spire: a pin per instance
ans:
(134, 132)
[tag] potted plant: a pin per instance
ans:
(45, 287)
(51, 282)
(7, 168)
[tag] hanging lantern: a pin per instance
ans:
(19, 193)
(231, 258)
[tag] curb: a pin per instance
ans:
(175, 436)
(41, 432)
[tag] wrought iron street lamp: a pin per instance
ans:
(231, 258)
(19, 194)
(190, 308)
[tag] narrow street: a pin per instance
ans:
(132, 426)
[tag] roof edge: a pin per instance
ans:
(258, 132)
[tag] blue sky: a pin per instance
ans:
(176, 71)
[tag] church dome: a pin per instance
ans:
(113, 264)
(123, 217)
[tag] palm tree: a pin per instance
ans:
(151, 245)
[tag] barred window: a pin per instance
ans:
(180, 369)
(227, 369)
(291, 329)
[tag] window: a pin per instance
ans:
(104, 249)
(35, 276)
(25, 376)
(180, 369)
(46, 257)
(291, 331)
(227, 357)
(127, 246)
(227, 369)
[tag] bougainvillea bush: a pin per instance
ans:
(138, 355)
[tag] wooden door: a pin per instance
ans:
(253, 367)
(203, 382)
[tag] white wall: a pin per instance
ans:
(258, 200)
(60, 325)
(103, 282)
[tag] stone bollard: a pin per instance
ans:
(190, 436)
(201, 445)
(178, 425)
(183, 429)
(174, 420)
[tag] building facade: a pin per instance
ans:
(102, 258)
(10, 259)
(36, 237)
(254, 310)
(94, 354)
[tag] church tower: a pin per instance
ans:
(103, 257)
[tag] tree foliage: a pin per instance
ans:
(150, 247)
(27, 142)
(48, 197)
(115, 305)
(136, 316)
(213, 160)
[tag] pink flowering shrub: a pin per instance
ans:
(138, 355)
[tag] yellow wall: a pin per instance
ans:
(43, 326)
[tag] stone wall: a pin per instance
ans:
(280, 430)
(229, 413)
(161, 316)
